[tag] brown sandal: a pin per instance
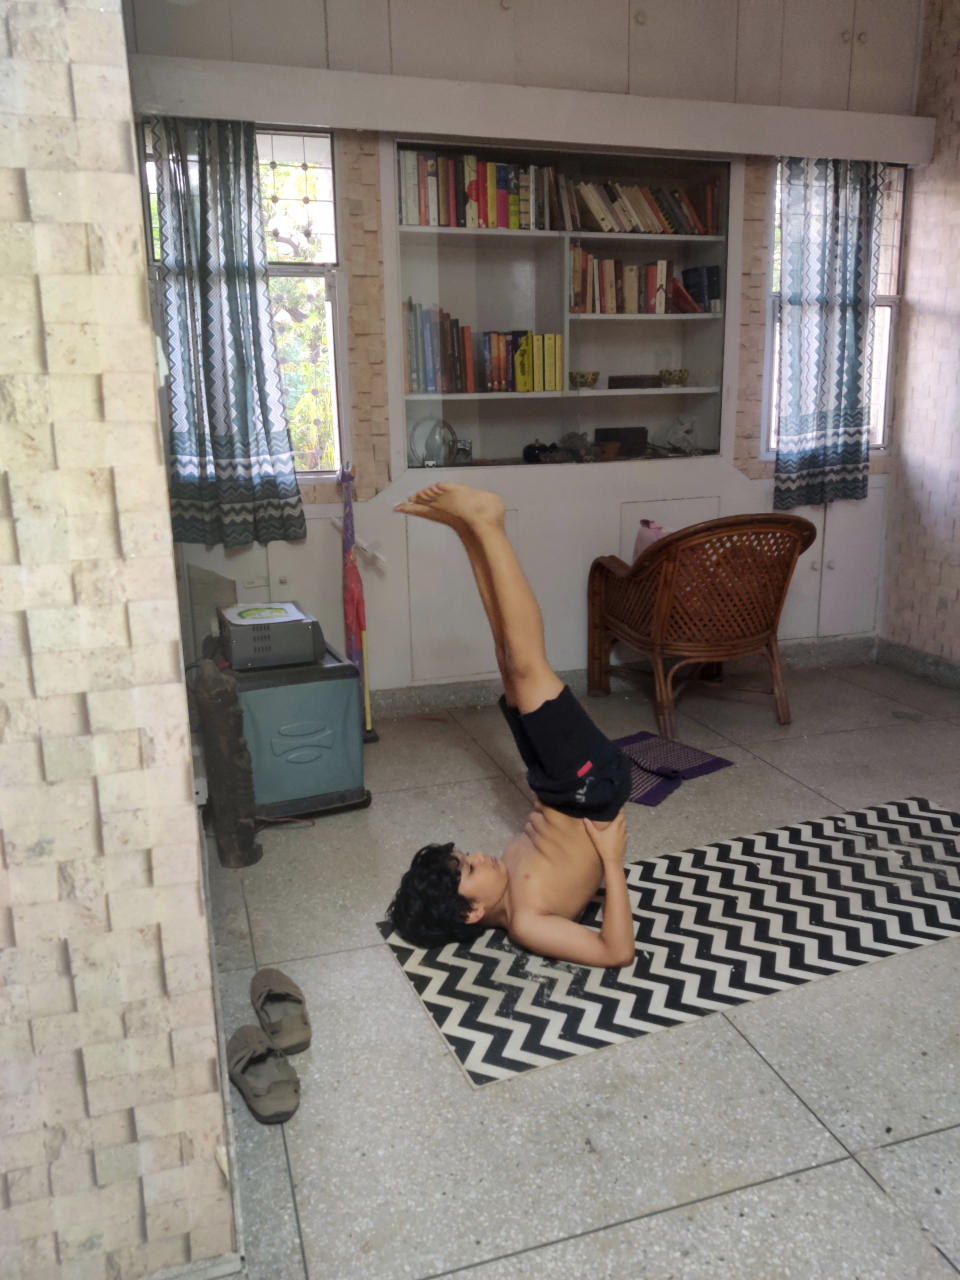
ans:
(268, 1083)
(280, 1005)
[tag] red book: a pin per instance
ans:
(500, 371)
(422, 189)
(451, 189)
(690, 211)
(468, 356)
(651, 286)
(682, 300)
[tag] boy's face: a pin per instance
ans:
(483, 879)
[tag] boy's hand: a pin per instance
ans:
(610, 841)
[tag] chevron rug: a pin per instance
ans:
(715, 927)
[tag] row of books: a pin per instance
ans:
(609, 286)
(438, 189)
(443, 356)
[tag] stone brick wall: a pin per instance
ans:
(110, 1110)
(759, 181)
(357, 169)
(921, 608)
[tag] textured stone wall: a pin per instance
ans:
(110, 1110)
(357, 172)
(759, 182)
(922, 582)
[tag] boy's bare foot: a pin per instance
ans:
(449, 503)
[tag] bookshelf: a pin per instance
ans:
(495, 318)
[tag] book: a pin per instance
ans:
(618, 285)
(608, 287)
(558, 367)
(508, 373)
(594, 213)
(692, 217)
(663, 275)
(655, 210)
(513, 197)
(550, 362)
(409, 189)
(469, 379)
(423, 203)
(631, 289)
(523, 191)
(713, 289)
(433, 204)
(429, 369)
(665, 205)
(488, 354)
(538, 362)
(523, 362)
(460, 191)
(503, 195)
(493, 208)
(695, 283)
(409, 374)
(443, 191)
(680, 298)
(451, 191)
(420, 355)
(650, 289)
(471, 194)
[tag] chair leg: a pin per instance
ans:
(599, 640)
(663, 693)
(779, 688)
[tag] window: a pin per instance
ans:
(299, 222)
(886, 310)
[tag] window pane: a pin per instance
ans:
(891, 226)
(302, 318)
(882, 321)
(296, 181)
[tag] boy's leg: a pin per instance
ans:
(514, 615)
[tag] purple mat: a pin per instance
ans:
(658, 765)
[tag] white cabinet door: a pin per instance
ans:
(817, 40)
(452, 39)
(449, 630)
(852, 558)
(683, 49)
(566, 44)
(759, 41)
(882, 72)
(801, 609)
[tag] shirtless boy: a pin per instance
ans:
(575, 837)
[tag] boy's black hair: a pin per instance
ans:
(428, 908)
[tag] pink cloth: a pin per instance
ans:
(648, 533)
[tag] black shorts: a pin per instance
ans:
(571, 765)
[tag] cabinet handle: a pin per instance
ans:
(846, 36)
(862, 37)
(640, 17)
(830, 564)
(815, 566)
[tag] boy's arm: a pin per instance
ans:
(564, 939)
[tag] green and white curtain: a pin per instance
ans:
(830, 225)
(231, 469)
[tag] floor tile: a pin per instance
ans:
(322, 888)
(228, 912)
(923, 1177)
(269, 1216)
(867, 1049)
(402, 1168)
(820, 703)
(912, 691)
(825, 1224)
(750, 796)
(420, 749)
(869, 766)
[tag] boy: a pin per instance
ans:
(576, 835)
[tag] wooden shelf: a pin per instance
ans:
(647, 315)
(562, 395)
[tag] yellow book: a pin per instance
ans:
(550, 362)
(491, 194)
(538, 362)
(558, 374)
(523, 363)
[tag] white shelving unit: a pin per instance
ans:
(498, 279)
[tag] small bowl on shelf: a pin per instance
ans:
(582, 381)
(673, 377)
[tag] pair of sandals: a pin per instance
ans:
(257, 1056)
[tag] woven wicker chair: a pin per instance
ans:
(701, 595)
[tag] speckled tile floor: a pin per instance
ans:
(814, 1133)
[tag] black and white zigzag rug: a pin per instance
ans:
(715, 927)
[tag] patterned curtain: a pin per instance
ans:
(830, 225)
(232, 477)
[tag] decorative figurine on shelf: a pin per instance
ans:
(534, 452)
(681, 436)
(674, 377)
(577, 446)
